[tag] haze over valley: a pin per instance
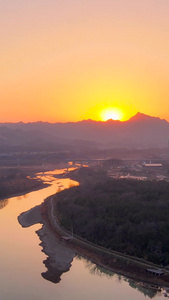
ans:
(139, 132)
(84, 150)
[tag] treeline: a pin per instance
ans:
(128, 216)
(14, 181)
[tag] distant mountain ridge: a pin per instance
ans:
(139, 131)
(143, 117)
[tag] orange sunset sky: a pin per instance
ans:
(70, 60)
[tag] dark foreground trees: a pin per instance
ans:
(124, 215)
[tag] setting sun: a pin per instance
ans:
(111, 113)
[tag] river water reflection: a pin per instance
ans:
(21, 260)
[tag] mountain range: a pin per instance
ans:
(140, 131)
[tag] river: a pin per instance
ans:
(21, 260)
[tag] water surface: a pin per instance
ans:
(21, 260)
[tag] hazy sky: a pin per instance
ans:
(67, 60)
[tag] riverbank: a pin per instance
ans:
(111, 260)
(59, 256)
(15, 182)
(130, 267)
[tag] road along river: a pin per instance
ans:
(23, 275)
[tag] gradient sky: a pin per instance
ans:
(67, 60)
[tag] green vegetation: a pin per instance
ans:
(124, 215)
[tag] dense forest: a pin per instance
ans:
(128, 216)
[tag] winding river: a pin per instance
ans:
(23, 273)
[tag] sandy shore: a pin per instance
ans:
(59, 256)
(30, 217)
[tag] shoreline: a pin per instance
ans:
(30, 183)
(129, 267)
(59, 256)
(26, 191)
(109, 260)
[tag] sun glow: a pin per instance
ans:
(112, 113)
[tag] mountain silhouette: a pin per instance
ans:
(140, 131)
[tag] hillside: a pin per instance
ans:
(140, 131)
